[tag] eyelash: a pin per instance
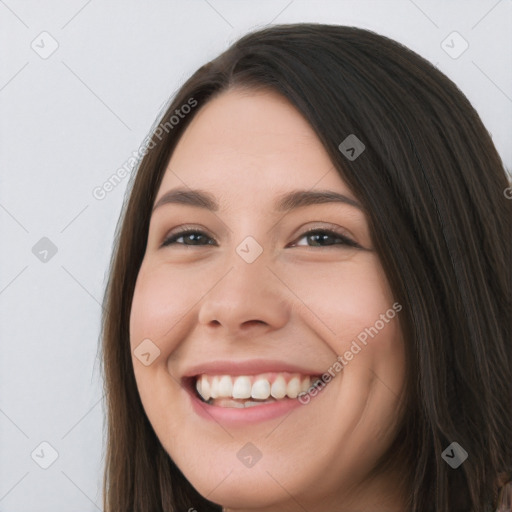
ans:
(171, 240)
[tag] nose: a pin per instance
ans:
(248, 299)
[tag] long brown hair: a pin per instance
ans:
(433, 185)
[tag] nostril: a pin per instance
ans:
(250, 323)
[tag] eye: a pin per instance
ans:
(192, 235)
(324, 237)
(319, 237)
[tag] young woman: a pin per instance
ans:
(309, 303)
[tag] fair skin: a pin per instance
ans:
(302, 301)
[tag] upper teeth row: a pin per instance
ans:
(258, 386)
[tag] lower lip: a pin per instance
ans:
(242, 416)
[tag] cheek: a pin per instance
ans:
(342, 300)
(162, 298)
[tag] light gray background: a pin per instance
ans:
(69, 121)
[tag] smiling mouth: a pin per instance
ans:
(242, 391)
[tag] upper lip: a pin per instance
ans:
(246, 367)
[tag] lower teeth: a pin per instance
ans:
(239, 404)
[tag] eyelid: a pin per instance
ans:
(324, 225)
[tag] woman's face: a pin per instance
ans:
(249, 304)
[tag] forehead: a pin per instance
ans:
(250, 143)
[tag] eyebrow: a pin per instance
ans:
(285, 203)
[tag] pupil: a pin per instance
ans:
(194, 237)
(319, 236)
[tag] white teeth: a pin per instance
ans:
(225, 387)
(293, 388)
(226, 402)
(257, 387)
(214, 387)
(278, 389)
(250, 403)
(260, 389)
(242, 387)
(203, 387)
